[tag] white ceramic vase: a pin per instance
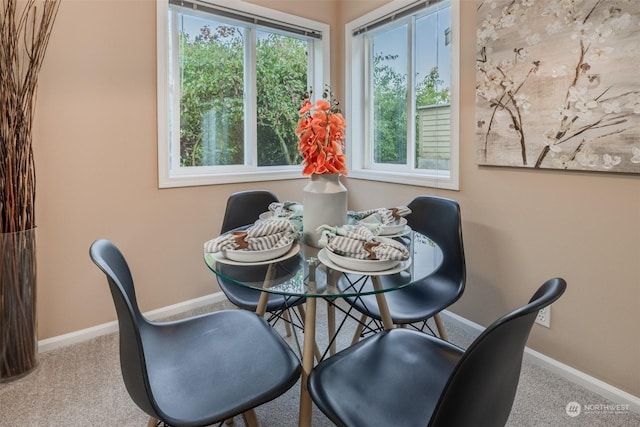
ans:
(324, 202)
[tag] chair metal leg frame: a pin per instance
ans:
(301, 327)
(297, 321)
(295, 334)
(372, 326)
(367, 325)
(284, 313)
(331, 307)
(423, 325)
(365, 328)
(333, 331)
(285, 316)
(361, 324)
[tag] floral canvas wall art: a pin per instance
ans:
(558, 84)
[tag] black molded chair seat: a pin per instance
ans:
(247, 298)
(402, 377)
(244, 208)
(440, 220)
(411, 304)
(199, 370)
(193, 382)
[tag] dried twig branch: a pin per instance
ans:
(25, 28)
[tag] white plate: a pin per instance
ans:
(219, 257)
(361, 264)
(406, 230)
(266, 215)
(324, 258)
(394, 228)
(256, 256)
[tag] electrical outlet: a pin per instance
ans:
(544, 317)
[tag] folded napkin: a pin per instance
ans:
(376, 219)
(357, 241)
(285, 209)
(264, 234)
(290, 210)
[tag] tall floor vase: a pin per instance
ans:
(18, 327)
(324, 202)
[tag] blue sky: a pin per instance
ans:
(430, 40)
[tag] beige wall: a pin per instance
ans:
(96, 154)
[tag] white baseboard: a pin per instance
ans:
(567, 372)
(110, 327)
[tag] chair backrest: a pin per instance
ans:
(482, 387)
(244, 208)
(132, 323)
(440, 220)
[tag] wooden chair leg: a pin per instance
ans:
(301, 311)
(287, 320)
(250, 418)
(153, 422)
(440, 326)
(359, 328)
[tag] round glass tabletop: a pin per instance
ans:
(308, 272)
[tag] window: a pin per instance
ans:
(402, 102)
(231, 76)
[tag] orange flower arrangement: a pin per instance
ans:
(321, 132)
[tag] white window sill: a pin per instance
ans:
(195, 179)
(434, 179)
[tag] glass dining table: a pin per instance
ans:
(305, 271)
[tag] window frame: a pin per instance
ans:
(168, 175)
(358, 109)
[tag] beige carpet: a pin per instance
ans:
(80, 385)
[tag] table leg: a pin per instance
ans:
(307, 362)
(382, 303)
